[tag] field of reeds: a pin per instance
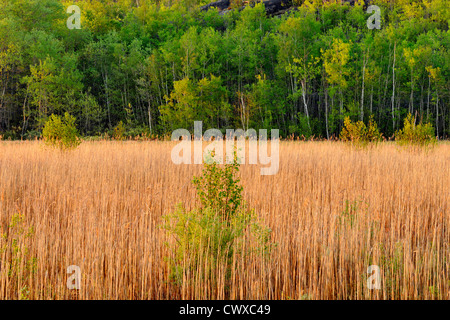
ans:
(333, 212)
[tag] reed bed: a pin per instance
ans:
(333, 211)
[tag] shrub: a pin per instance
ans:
(9, 135)
(32, 135)
(360, 134)
(119, 131)
(61, 132)
(138, 133)
(208, 237)
(415, 134)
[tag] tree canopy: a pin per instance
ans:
(159, 65)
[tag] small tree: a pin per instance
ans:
(61, 132)
(119, 131)
(208, 237)
(360, 134)
(415, 134)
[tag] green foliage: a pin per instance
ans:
(304, 126)
(219, 189)
(208, 237)
(15, 255)
(347, 219)
(415, 134)
(190, 100)
(161, 65)
(61, 132)
(349, 215)
(358, 133)
(392, 261)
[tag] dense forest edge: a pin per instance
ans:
(150, 67)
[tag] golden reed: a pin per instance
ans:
(333, 211)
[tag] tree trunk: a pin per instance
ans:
(437, 114)
(326, 113)
(393, 90)
(361, 116)
(305, 104)
(428, 102)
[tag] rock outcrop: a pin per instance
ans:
(273, 7)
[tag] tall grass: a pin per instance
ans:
(333, 212)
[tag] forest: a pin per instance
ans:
(155, 66)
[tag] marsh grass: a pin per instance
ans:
(333, 211)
